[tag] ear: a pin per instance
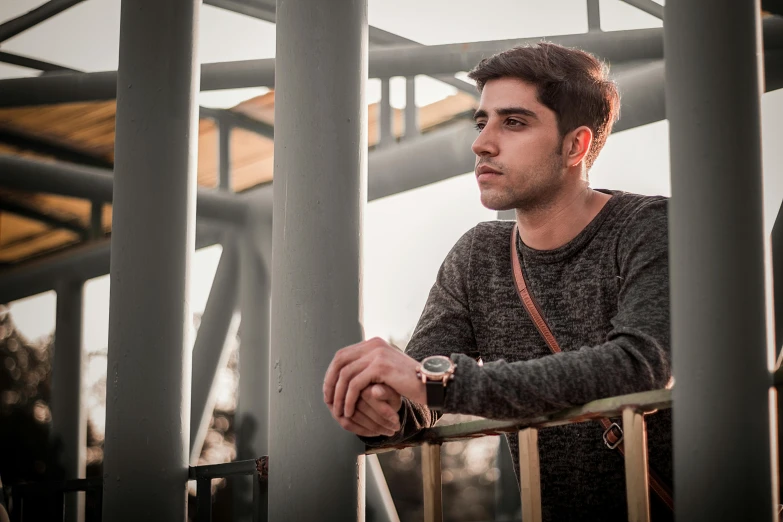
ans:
(576, 145)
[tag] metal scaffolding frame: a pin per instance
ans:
(301, 301)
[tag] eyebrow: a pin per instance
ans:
(507, 111)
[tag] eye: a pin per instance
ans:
(479, 126)
(514, 123)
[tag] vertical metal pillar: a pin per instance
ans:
(96, 220)
(148, 391)
(593, 15)
(224, 154)
(319, 194)
(507, 495)
(411, 111)
(385, 137)
(69, 420)
(721, 357)
(210, 350)
(252, 414)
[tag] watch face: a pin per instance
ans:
(438, 364)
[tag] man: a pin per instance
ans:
(595, 263)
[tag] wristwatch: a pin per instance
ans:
(435, 372)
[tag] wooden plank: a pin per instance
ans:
(431, 478)
(14, 229)
(45, 242)
(636, 482)
(530, 475)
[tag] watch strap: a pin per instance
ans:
(436, 394)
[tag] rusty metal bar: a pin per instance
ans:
(431, 477)
(530, 475)
(636, 483)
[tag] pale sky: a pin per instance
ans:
(406, 235)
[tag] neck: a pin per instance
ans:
(554, 225)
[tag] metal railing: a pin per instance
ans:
(53, 493)
(631, 408)
(203, 475)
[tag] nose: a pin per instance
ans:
(485, 144)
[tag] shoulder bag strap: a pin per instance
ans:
(613, 433)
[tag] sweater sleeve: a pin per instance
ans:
(634, 357)
(444, 328)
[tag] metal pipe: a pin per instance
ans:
(613, 46)
(385, 117)
(648, 6)
(224, 155)
(96, 184)
(384, 62)
(722, 469)
(215, 335)
(411, 111)
(82, 262)
(593, 15)
(69, 419)
(379, 499)
(507, 495)
(252, 414)
(96, 220)
(41, 13)
(432, 157)
(319, 195)
(148, 395)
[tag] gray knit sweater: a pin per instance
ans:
(605, 295)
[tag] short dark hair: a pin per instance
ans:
(571, 82)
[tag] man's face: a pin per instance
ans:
(519, 162)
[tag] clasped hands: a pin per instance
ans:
(364, 386)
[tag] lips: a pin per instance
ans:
(485, 173)
(486, 170)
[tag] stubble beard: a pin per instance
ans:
(539, 192)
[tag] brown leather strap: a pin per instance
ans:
(611, 437)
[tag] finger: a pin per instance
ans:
(383, 392)
(387, 401)
(358, 382)
(342, 358)
(370, 425)
(378, 412)
(349, 425)
(346, 375)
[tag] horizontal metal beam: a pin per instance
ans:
(97, 185)
(648, 6)
(386, 62)
(24, 22)
(402, 167)
(381, 37)
(33, 63)
(39, 145)
(34, 214)
(238, 120)
(80, 263)
(265, 10)
(610, 407)
(261, 10)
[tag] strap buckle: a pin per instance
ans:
(617, 432)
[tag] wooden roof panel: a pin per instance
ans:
(89, 128)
